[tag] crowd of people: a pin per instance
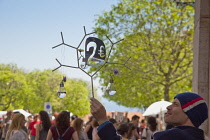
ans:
(187, 112)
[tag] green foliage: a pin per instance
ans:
(30, 91)
(158, 36)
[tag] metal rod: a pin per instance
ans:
(92, 86)
(62, 37)
(57, 46)
(69, 46)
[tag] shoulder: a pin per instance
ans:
(178, 133)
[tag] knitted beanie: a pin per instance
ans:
(194, 107)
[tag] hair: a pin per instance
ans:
(73, 117)
(113, 121)
(152, 123)
(78, 125)
(63, 121)
(142, 121)
(123, 129)
(135, 117)
(16, 123)
(131, 127)
(126, 128)
(46, 123)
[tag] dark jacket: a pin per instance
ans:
(107, 131)
(180, 133)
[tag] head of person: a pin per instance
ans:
(126, 130)
(187, 109)
(30, 118)
(63, 120)
(142, 122)
(135, 119)
(44, 117)
(78, 125)
(113, 121)
(90, 118)
(18, 122)
(152, 123)
(55, 114)
(73, 117)
(36, 117)
(9, 113)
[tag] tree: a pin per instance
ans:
(13, 87)
(30, 91)
(158, 37)
(44, 87)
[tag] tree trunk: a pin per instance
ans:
(166, 92)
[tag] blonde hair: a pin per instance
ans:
(78, 125)
(17, 120)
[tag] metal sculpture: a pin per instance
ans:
(95, 53)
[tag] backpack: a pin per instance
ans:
(61, 137)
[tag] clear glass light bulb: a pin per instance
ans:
(111, 90)
(61, 91)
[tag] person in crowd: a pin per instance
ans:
(55, 115)
(135, 121)
(127, 131)
(114, 122)
(43, 127)
(32, 126)
(78, 126)
(142, 126)
(148, 132)
(15, 131)
(29, 120)
(187, 112)
(73, 117)
(6, 123)
(88, 128)
(95, 131)
(62, 129)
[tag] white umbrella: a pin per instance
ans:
(156, 108)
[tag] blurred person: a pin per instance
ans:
(62, 129)
(78, 126)
(15, 131)
(29, 120)
(142, 126)
(127, 131)
(135, 121)
(32, 126)
(43, 127)
(6, 123)
(88, 128)
(73, 117)
(55, 116)
(114, 122)
(148, 132)
(95, 131)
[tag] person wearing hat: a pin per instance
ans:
(187, 112)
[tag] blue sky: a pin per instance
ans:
(30, 28)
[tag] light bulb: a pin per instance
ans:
(61, 91)
(111, 90)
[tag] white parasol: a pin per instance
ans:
(156, 108)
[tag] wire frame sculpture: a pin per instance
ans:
(100, 56)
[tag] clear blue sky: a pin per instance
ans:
(30, 28)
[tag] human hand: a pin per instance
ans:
(98, 111)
